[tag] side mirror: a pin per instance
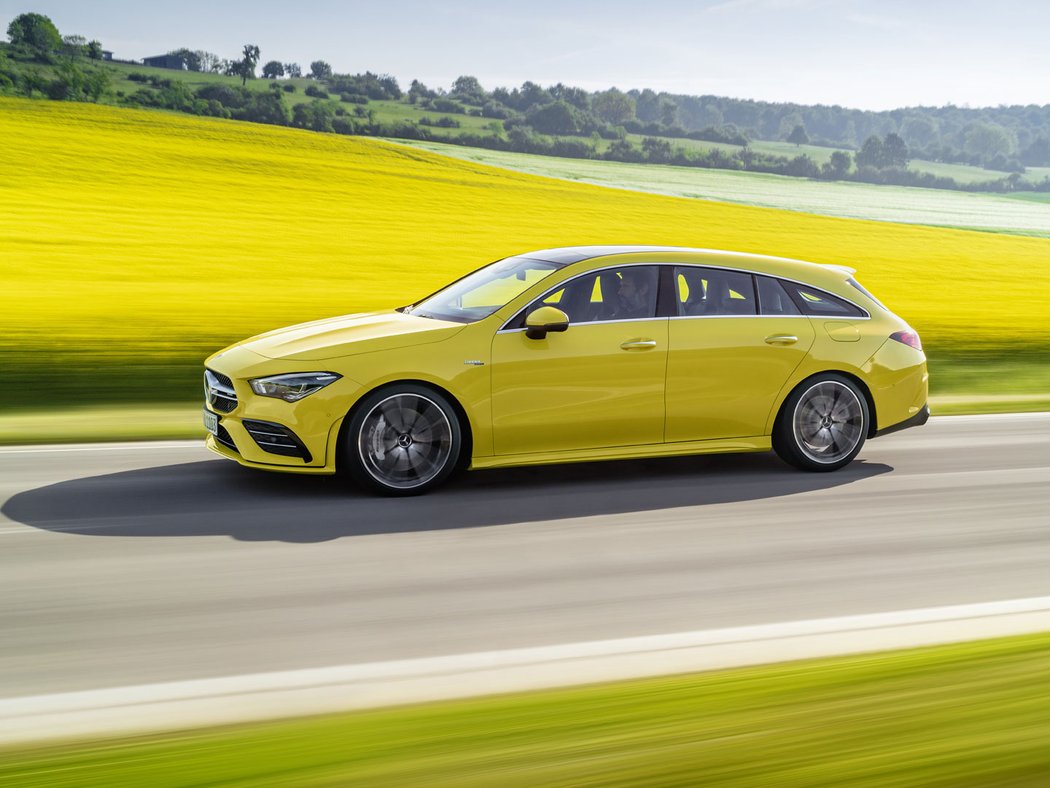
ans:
(545, 320)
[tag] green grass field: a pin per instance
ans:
(976, 714)
(937, 207)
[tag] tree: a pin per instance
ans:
(987, 139)
(532, 94)
(74, 45)
(468, 89)
(656, 149)
(273, 70)
(417, 91)
(870, 153)
(317, 116)
(320, 70)
(1037, 154)
(264, 108)
(293, 70)
(34, 31)
(189, 57)
(555, 118)
(787, 124)
(94, 50)
(246, 66)
(209, 62)
(668, 112)
(798, 135)
(919, 131)
(96, 83)
(894, 151)
(837, 167)
(578, 97)
(613, 106)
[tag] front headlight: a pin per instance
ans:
(294, 386)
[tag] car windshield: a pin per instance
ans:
(481, 293)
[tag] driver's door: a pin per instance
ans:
(599, 384)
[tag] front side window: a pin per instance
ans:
(627, 293)
(481, 293)
(712, 292)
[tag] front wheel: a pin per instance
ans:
(403, 440)
(822, 424)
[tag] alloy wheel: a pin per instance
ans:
(405, 441)
(828, 422)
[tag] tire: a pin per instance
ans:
(402, 440)
(822, 424)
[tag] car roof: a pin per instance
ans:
(782, 266)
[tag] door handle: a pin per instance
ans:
(638, 344)
(781, 339)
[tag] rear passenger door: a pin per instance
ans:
(726, 361)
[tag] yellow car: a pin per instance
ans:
(576, 354)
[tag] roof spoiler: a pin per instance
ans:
(842, 269)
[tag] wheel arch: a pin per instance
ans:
(873, 420)
(466, 429)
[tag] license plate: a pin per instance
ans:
(211, 422)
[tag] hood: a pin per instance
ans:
(349, 335)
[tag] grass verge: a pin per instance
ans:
(970, 714)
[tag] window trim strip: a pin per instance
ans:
(661, 282)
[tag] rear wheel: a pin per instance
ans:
(822, 424)
(403, 440)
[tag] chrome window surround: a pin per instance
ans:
(565, 283)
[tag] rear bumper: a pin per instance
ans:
(917, 420)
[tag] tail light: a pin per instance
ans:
(909, 338)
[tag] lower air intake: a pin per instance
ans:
(276, 439)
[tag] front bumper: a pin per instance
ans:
(269, 433)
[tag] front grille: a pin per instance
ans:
(223, 437)
(218, 390)
(276, 439)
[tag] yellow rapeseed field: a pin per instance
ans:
(127, 234)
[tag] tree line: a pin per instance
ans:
(562, 120)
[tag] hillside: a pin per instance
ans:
(1022, 213)
(135, 242)
(566, 121)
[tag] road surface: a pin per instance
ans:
(141, 563)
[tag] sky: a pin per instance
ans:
(856, 53)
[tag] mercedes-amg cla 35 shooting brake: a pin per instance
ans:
(576, 354)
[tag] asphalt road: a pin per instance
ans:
(141, 563)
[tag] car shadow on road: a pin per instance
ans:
(214, 497)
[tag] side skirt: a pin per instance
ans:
(719, 446)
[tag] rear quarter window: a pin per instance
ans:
(817, 303)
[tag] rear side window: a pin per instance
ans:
(773, 299)
(820, 304)
(712, 292)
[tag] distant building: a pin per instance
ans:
(166, 61)
(107, 55)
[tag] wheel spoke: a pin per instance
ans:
(405, 441)
(828, 422)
